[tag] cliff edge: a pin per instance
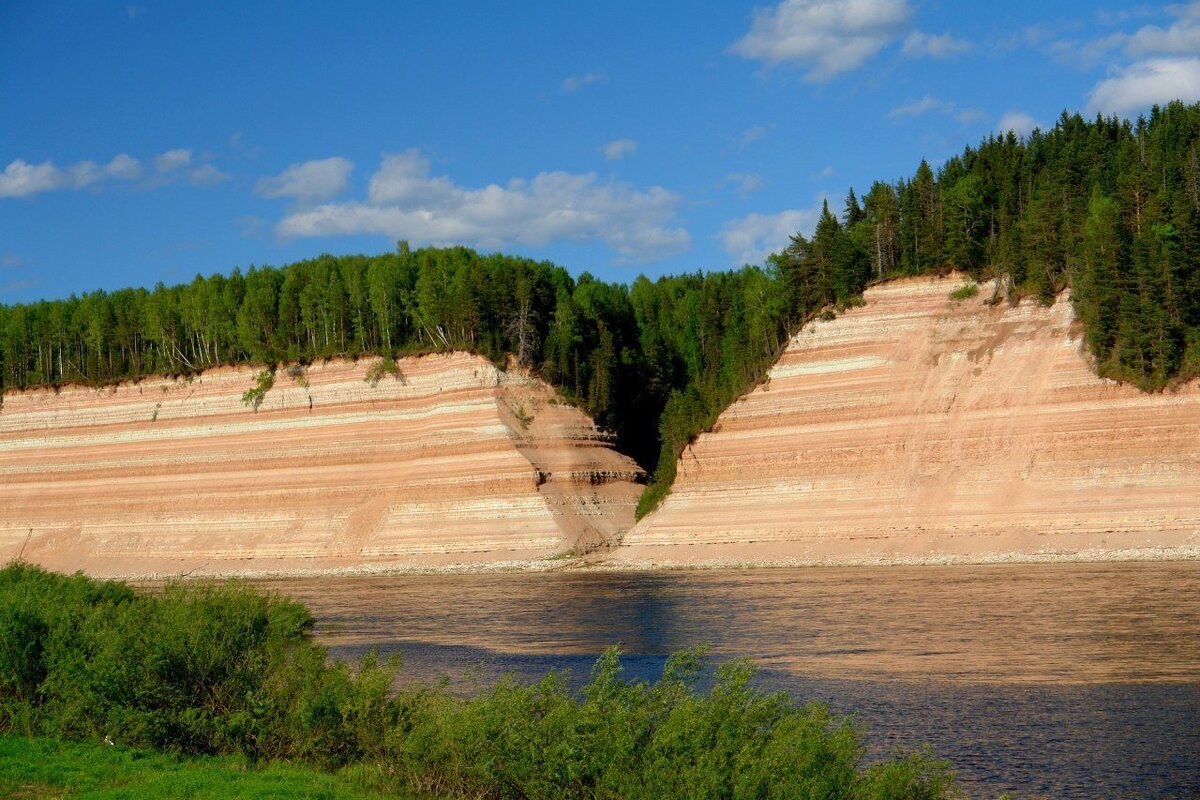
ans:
(446, 463)
(918, 428)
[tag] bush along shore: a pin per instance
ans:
(225, 678)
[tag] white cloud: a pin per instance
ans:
(84, 174)
(1142, 84)
(1180, 38)
(21, 179)
(751, 135)
(947, 108)
(825, 173)
(207, 175)
(619, 148)
(824, 37)
(173, 160)
(121, 168)
(1165, 63)
(577, 82)
(311, 181)
(404, 201)
(970, 116)
(1105, 17)
(9, 261)
(251, 225)
(1018, 122)
(237, 141)
(750, 239)
(918, 44)
(920, 107)
(124, 168)
(15, 286)
(746, 182)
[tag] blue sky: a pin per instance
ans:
(153, 141)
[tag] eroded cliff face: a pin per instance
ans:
(449, 463)
(918, 428)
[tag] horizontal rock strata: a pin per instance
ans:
(919, 428)
(448, 462)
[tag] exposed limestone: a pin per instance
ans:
(432, 467)
(919, 429)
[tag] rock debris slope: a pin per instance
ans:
(919, 428)
(450, 463)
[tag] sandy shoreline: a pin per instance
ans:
(595, 564)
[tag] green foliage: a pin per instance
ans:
(194, 669)
(382, 367)
(263, 382)
(299, 375)
(225, 670)
(50, 768)
(524, 418)
(965, 292)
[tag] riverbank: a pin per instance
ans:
(677, 557)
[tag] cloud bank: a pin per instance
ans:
(1018, 122)
(405, 201)
(826, 37)
(22, 179)
(1166, 65)
(945, 46)
(310, 181)
(619, 148)
(577, 82)
(750, 239)
(1144, 83)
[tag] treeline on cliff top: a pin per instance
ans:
(1107, 207)
(228, 670)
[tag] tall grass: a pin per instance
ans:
(226, 669)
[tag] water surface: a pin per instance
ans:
(1065, 680)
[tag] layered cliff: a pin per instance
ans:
(922, 428)
(447, 462)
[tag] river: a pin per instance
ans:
(1046, 681)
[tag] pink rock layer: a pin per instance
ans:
(917, 428)
(450, 463)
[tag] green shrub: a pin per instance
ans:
(193, 669)
(382, 367)
(227, 670)
(263, 382)
(965, 292)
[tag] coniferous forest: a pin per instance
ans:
(1106, 207)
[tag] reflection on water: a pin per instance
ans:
(1047, 681)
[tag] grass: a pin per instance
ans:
(52, 768)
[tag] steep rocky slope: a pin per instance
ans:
(450, 462)
(919, 428)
